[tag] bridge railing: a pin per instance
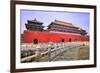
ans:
(47, 55)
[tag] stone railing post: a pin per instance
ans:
(49, 52)
(38, 54)
(55, 47)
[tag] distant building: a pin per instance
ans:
(34, 25)
(60, 26)
(57, 31)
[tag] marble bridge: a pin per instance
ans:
(64, 52)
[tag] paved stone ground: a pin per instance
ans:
(74, 54)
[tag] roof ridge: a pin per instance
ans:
(62, 21)
(35, 20)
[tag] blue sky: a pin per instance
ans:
(79, 19)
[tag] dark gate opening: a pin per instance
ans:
(35, 41)
(62, 40)
(70, 39)
(75, 39)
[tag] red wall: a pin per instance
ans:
(28, 37)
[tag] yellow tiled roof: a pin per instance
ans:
(64, 23)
